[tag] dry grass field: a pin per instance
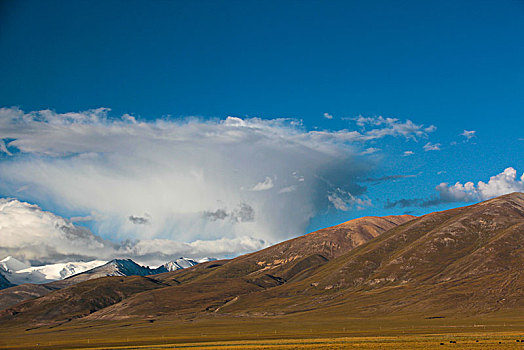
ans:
(305, 331)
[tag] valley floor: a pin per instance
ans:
(305, 331)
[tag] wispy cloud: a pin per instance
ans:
(3, 148)
(388, 178)
(328, 116)
(265, 185)
(468, 134)
(345, 201)
(432, 147)
(393, 127)
(370, 150)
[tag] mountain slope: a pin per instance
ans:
(207, 286)
(4, 283)
(16, 294)
(310, 250)
(79, 300)
(467, 259)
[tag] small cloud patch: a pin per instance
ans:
(140, 220)
(432, 147)
(468, 134)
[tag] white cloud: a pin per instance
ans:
(176, 171)
(370, 150)
(265, 185)
(432, 147)
(328, 116)
(31, 234)
(394, 127)
(468, 134)
(345, 201)
(288, 189)
(187, 174)
(4, 149)
(408, 153)
(503, 183)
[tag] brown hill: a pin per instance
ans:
(16, 294)
(79, 300)
(208, 286)
(469, 259)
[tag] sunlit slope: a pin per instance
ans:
(208, 286)
(469, 259)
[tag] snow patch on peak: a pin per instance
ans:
(180, 263)
(16, 272)
(10, 265)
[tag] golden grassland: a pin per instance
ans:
(314, 330)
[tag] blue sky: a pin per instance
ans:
(453, 65)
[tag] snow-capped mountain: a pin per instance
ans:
(11, 265)
(17, 272)
(125, 267)
(115, 267)
(180, 263)
(184, 263)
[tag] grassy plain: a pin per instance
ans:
(312, 330)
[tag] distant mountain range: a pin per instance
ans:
(15, 272)
(465, 261)
(18, 272)
(19, 281)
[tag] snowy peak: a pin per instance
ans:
(127, 267)
(16, 272)
(63, 270)
(180, 263)
(11, 265)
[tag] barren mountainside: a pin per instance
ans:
(469, 259)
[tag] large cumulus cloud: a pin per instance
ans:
(191, 180)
